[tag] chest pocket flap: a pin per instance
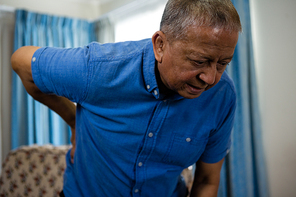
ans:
(184, 150)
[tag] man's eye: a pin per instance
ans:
(199, 63)
(223, 63)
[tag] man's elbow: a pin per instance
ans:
(15, 64)
(21, 64)
(21, 58)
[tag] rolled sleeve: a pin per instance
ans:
(64, 72)
(219, 142)
(36, 72)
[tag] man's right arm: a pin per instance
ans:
(21, 64)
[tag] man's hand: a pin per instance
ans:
(73, 141)
(207, 179)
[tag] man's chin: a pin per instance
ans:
(188, 95)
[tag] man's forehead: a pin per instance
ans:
(207, 55)
(201, 33)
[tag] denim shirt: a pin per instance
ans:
(129, 140)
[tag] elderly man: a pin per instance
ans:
(145, 109)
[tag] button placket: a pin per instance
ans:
(148, 146)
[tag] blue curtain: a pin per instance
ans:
(243, 173)
(32, 122)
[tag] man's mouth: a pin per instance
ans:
(194, 89)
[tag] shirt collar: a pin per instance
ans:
(148, 70)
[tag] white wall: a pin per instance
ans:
(6, 48)
(274, 35)
(85, 9)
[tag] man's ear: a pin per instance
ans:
(159, 42)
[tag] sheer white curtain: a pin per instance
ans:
(139, 21)
(6, 49)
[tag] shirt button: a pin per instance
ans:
(188, 139)
(34, 59)
(148, 87)
(136, 191)
(164, 100)
(155, 92)
(140, 164)
(150, 134)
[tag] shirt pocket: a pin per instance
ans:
(184, 150)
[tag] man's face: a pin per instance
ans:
(194, 65)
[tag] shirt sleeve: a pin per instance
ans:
(64, 72)
(220, 139)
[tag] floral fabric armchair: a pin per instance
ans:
(33, 171)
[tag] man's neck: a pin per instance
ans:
(162, 88)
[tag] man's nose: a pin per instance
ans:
(208, 74)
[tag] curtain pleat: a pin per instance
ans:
(33, 122)
(243, 173)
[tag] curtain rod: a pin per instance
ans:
(7, 8)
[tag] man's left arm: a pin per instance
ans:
(206, 179)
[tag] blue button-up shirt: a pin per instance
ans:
(129, 140)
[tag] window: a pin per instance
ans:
(140, 24)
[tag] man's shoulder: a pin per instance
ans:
(118, 50)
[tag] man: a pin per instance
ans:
(145, 109)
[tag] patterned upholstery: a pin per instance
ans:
(33, 171)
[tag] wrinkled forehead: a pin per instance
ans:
(202, 32)
(211, 35)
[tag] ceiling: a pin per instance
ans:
(86, 9)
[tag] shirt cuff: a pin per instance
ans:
(37, 78)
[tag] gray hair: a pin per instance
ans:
(181, 14)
